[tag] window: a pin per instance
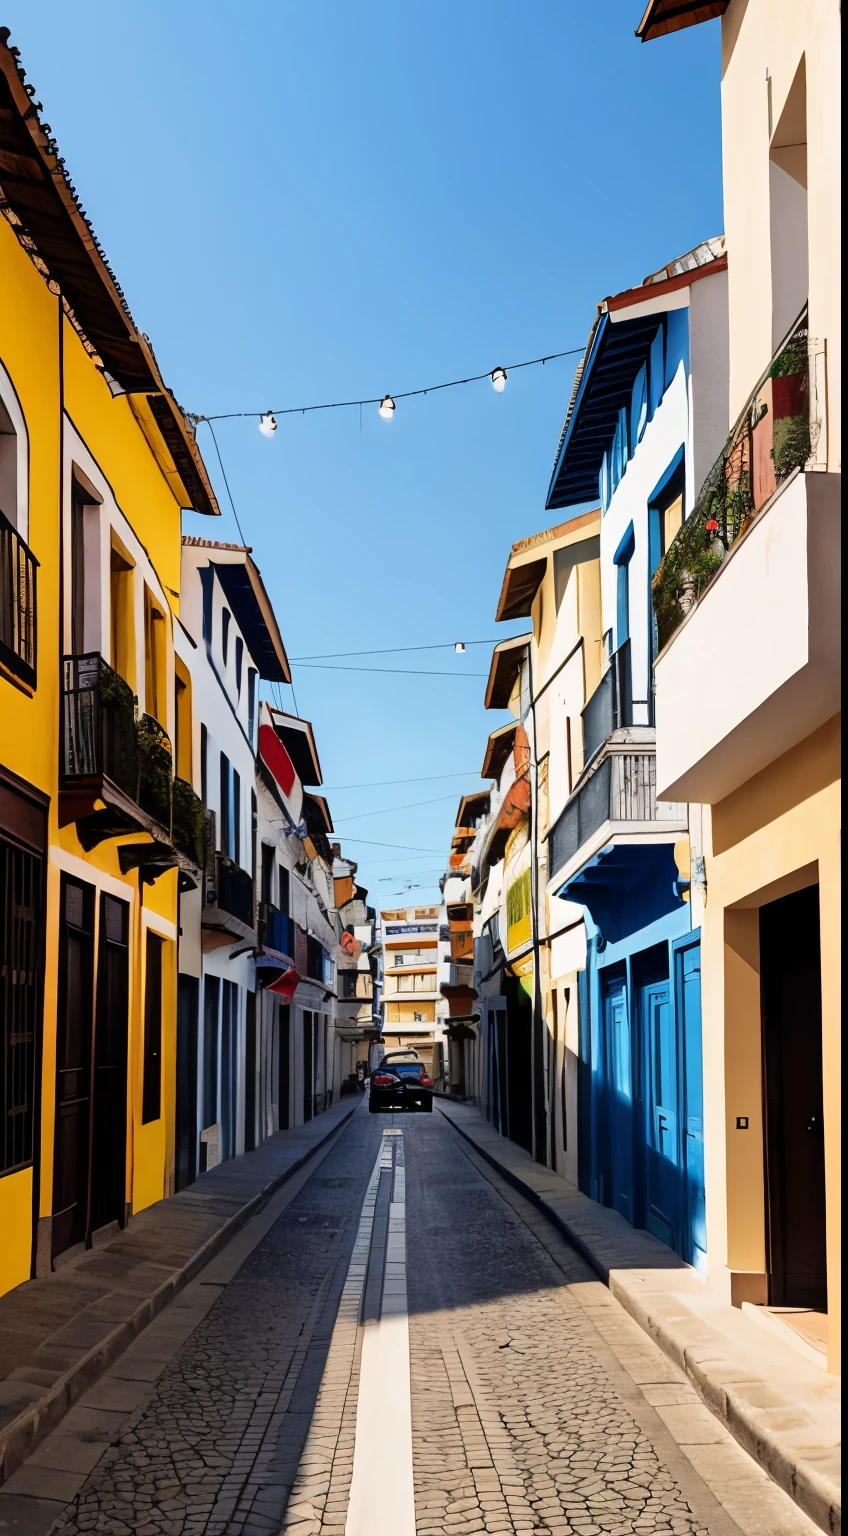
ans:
(182, 723)
(225, 816)
(283, 902)
(204, 764)
(639, 406)
(121, 614)
(239, 662)
(20, 941)
(206, 581)
(236, 837)
(155, 694)
(225, 634)
(251, 704)
(151, 1093)
(13, 457)
(77, 570)
(17, 563)
(211, 990)
(656, 369)
(267, 877)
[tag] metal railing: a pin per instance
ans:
(187, 822)
(277, 931)
(18, 627)
(98, 723)
(233, 889)
(622, 788)
(778, 431)
(610, 706)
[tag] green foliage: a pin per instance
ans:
(793, 358)
(518, 899)
(154, 770)
(187, 821)
(791, 445)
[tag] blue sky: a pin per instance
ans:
(312, 202)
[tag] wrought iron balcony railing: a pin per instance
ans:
(98, 724)
(621, 788)
(18, 566)
(610, 707)
(779, 431)
(233, 889)
(188, 822)
(276, 930)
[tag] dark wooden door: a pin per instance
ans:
(229, 1037)
(284, 1063)
(250, 1073)
(519, 1090)
(308, 1064)
(186, 1137)
(790, 982)
(72, 1151)
(109, 1085)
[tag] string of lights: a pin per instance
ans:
(386, 404)
(328, 666)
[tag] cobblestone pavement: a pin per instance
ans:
(216, 1448)
(538, 1404)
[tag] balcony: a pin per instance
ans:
(609, 709)
(227, 916)
(748, 596)
(117, 775)
(276, 931)
(18, 566)
(612, 847)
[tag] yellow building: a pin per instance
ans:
(96, 835)
(748, 682)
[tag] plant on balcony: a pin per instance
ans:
(732, 493)
(187, 821)
(154, 770)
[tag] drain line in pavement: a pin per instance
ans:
(382, 1501)
(364, 1473)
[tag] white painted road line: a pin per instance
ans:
(382, 1500)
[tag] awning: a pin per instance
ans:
(299, 741)
(503, 672)
(317, 814)
(275, 756)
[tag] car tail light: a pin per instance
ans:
(426, 1082)
(382, 1080)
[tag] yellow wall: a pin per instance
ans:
(44, 373)
(778, 832)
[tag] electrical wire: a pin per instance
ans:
(333, 789)
(409, 847)
(405, 394)
(327, 666)
(224, 473)
(387, 810)
(392, 650)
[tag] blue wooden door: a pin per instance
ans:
(688, 988)
(619, 1097)
(660, 1109)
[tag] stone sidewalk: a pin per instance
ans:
(784, 1410)
(60, 1333)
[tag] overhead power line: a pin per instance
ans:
(409, 847)
(328, 666)
(387, 810)
(404, 394)
(392, 650)
(334, 789)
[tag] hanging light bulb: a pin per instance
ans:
(268, 424)
(459, 647)
(387, 407)
(499, 380)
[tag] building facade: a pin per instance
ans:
(411, 1001)
(753, 578)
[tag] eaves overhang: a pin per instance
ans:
(520, 585)
(298, 739)
(507, 657)
(498, 748)
(664, 16)
(252, 611)
(48, 218)
(604, 385)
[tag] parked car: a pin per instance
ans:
(400, 1081)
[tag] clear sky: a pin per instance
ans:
(317, 201)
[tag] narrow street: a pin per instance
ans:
(264, 1398)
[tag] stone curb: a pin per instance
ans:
(20, 1437)
(818, 1497)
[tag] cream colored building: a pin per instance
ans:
(748, 679)
(411, 1000)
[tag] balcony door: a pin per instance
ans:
(790, 982)
(618, 1075)
(72, 1150)
(661, 1113)
(109, 1075)
(186, 1137)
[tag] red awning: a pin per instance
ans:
(274, 754)
(286, 985)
